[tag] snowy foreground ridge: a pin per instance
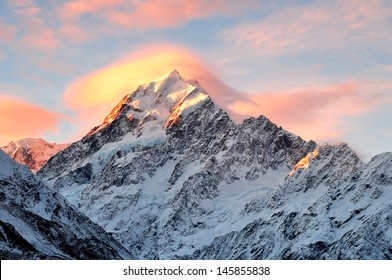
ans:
(169, 175)
(38, 223)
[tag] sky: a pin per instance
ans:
(320, 69)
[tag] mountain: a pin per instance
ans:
(37, 223)
(170, 175)
(33, 153)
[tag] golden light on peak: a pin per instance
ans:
(304, 162)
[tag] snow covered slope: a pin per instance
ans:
(37, 223)
(33, 153)
(170, 175)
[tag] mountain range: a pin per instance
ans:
(169, 175)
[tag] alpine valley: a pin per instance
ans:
(169, 175)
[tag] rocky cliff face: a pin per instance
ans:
(170, 175)
(37, 223)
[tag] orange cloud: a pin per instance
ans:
(19, 119)
(103, 88)
(106, 86)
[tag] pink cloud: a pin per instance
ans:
(45, 40)
(7, 36)
(315, 113)
(34, 29)
(77, 8)
(320, 25)
(156, 13)
(19, 119)
(7, 32)
(152, 13)
(46, 28)
(74, 32)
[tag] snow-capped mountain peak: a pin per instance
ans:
(32, 152)
(165, 83)
(158, 102)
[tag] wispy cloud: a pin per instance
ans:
(144, 15)
(34, 29)
(319, 26)
(316, 113)
(7, 31)
(46, 28)
(7, 35)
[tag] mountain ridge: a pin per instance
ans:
(37, 223)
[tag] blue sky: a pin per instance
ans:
(321, 69)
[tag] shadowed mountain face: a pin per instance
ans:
(37, 223)
(170, 175)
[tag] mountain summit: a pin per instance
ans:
(158, 104)
(170, 175)
(33, 153)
